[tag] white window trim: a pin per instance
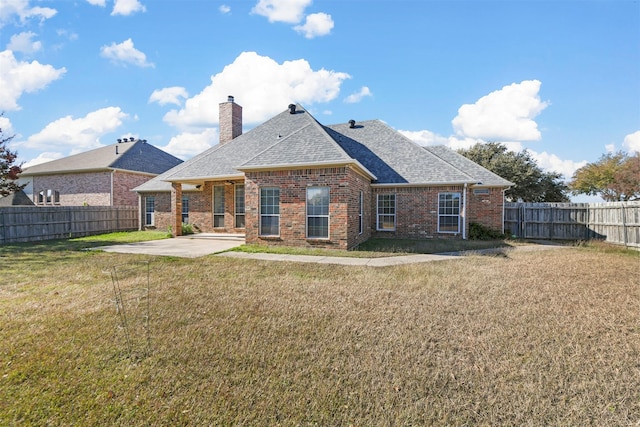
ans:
(394, 215)
(260, 214)
(307, 216)
(449, 215)
(152, 214)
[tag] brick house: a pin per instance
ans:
(293, 181)
(101, 177)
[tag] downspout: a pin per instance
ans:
(464, 213)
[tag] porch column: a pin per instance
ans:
(176, 209)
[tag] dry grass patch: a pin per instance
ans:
(548, 338)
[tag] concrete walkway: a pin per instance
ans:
(194, 246)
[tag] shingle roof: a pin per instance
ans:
(290, 140)
(392, 157)
(130, 156)
(19, 198)
(482, 175)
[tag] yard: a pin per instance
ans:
(526, 338)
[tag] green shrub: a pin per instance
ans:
(482, 232)
(187, 229)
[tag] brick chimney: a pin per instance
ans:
(230, 120)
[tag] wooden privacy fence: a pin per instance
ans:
(614, 222)
(32, 223)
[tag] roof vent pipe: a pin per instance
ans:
(352, 123)
(292, 108)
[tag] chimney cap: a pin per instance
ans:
(230, 98)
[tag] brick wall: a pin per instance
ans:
(200, 208)
(92, 188)
(76, 189)
(123, 183)
(417, 210)
(344, 192)
(486, 209)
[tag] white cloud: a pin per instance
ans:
(425, 137)
(262, 86)
(289, 11)
(632, 142)
(79, 134)
(188, 144)
(316, 24)
(18, 77)
(553, 163)
(169, 95)
(101, 3)
(43, 158)
(127, 7)
(506, 114)
(357, 97)
(21, 9)
(224, 9)
(22, 42)
(6, 128)
(125, 53)
(610, 148)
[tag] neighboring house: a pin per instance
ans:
(101, 177)
(19, 198)
(293, 181)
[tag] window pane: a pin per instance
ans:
(318, 227)
(449, 212)
(218, 199)
(449, 224)
(239, 199)
(318, 201)
(240, 221)
(386, 212)
(269, 211)
(269, 225)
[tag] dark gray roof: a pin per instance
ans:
(392, 157)
(19, 198)
(482, 175)
(130, 156)
(290, 140)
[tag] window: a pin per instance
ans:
(218, 206)
(149, 210)
(386, 212)
(318, 212)
(449, 213)
(41, 197)
(360, 213)
(269, 211)
(185, 210)
(239, 198)
(56, 197)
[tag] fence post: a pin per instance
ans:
(624, 225)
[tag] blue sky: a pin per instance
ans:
(559, 78)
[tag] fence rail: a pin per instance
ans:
(615, 222)
(32, 223)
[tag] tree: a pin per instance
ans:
(615, 177)
(8, 171)
(532, 184)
